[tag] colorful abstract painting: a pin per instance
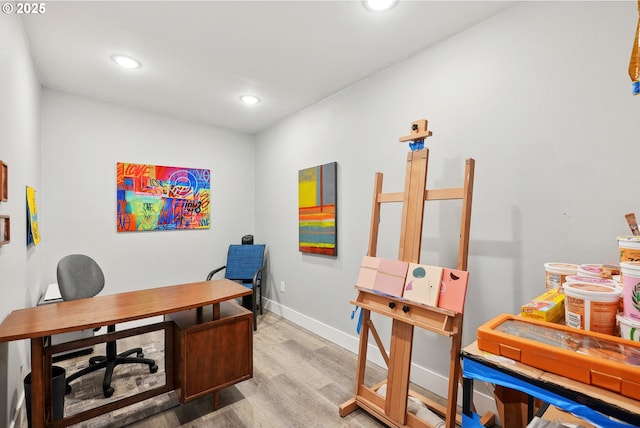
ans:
(33, 231)
(152, 197)
(317, 189)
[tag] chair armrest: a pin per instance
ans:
(213, 272)
(258, 275)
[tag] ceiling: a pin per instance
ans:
(199, 56)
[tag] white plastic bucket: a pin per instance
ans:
(631, 289)
(629, 329)
(591, 306)
(557, 272)
(629, 247)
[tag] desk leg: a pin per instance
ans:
(216, 400)
(467, 392)
(37, 383)
(530, 406)
(216, 311)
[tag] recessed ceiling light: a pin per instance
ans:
(126, 61)
(249, 99)
(379, 5)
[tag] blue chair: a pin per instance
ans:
(246, 264)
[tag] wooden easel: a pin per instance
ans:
(405, 315)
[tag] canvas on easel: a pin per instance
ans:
(423, 284)
(386, 276)
(453, 289)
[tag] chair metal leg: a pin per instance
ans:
(254, 309)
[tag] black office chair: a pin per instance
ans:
(80, 277)
(246, 265)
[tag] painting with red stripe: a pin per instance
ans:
(317, 214)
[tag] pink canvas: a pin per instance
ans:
(423, 284)
(453, 290)
(390, 278)
(368, 272)
(382, 275)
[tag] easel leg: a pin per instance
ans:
(398, 379)
(351, 405)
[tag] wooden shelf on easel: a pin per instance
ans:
(437, 320)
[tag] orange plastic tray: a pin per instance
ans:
(597, 359)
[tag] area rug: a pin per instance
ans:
(128, 379)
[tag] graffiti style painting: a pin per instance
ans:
(152, 197)
(317, 191)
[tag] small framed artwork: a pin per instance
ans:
(5, 229)
(4, 182)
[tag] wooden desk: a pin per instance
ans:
(40, 322)
(587, 401)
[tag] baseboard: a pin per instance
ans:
(421, 376)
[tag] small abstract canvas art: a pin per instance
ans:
(152, 197)
(33, 230)
(384, 276)
(453, 290)
(317, 191)
(423, 284)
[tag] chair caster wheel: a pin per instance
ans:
(153, 368)
(107, 392)
(67, 389)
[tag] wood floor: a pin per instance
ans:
(299, 380)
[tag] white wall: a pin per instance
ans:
(539, 96)
(83, 139)
(20, 150)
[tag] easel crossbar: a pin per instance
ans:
(429, 195)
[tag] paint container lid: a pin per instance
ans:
(594, 292)
(631, 322)
(590, 280)
(561, 268)
(630, 268)
(594, 270)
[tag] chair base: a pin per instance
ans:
(109, 363)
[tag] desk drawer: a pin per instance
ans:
(212, 354)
